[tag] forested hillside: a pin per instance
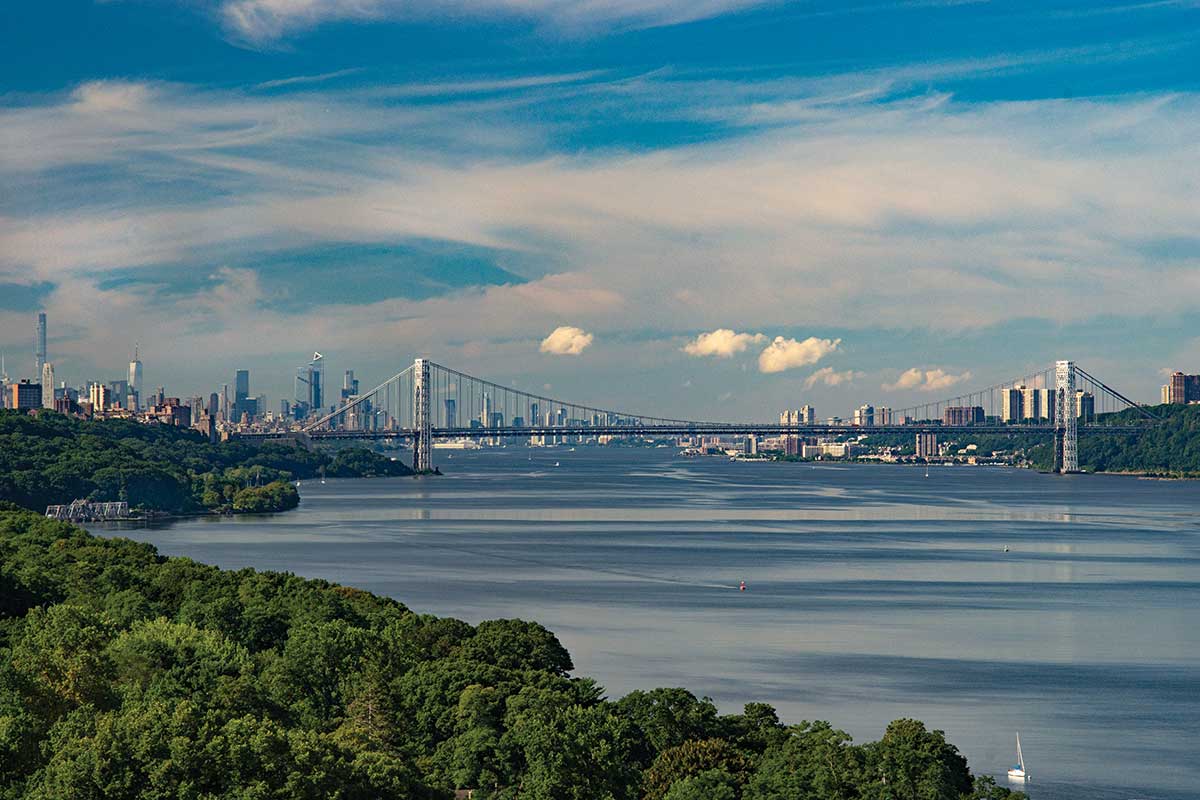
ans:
(52, 458)
(124, 674)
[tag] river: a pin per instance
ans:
(873, 592)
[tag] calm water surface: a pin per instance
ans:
(873, 591)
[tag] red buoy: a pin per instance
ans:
(742, 587)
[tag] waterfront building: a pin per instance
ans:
(1085, 406)
(864, 416)
(1012, 404)
(963, 415)
(927, 445)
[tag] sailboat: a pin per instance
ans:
(1018, 773)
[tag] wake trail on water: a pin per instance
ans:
(528, 561)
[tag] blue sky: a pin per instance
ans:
(967, 189)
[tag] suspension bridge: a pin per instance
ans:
(428, 401)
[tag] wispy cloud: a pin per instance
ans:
(828, 376)
(265, 21)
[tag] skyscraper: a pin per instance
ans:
(135, 380)
(451, 413)
(241, 385)
(47, 385)
(40, 355)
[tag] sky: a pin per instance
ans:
(702, 208)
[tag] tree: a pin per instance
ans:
(668, 718)
(912, 763)
(692, 758)
(713, 784)
(62, 653)
(814, 762)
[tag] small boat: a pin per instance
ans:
(297, 484)
(556, 463)
(1018, 773)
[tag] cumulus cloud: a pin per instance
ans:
(830, 377)
(722, 343)
(566, 340)
(930, 380)
(782, 354)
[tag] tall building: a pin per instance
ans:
(214, 405)
(963, 415)
(310, 382)
(40, 354)
(485, 416)
(808, 415)
(1085, 406)
(883, 416)
(1183, 388)
(135, 380)
(48, 385)
(245, 407)
(927, 445)
(451, 407)
(98, 397)
(1012, 404)
(864, 416)
(787, 417)
(25, 395)
(349, 385)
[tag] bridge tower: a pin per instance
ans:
(1066, 432)
(422, 419)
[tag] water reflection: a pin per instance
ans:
(873, 592)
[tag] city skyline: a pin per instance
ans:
(750, 208)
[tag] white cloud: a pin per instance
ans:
(722, 343)
(830, 377)
(566, 340)
(264, 21)
(782, 354)
(930, 380)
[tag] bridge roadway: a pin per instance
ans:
(690, 429)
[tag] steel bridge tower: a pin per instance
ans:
(1066, 431)
(422, 418)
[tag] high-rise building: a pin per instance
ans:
(241, 385)
(864, 416)
(451, 407)
(883, 416)
(40, 354)
(214, 405)
(808, 415)
(1085, 406)
(310, 382)
(963, 415)
(245, 407)
(225, 409)
(1012, 404)
(349, 385)
(485, 416)
(1183, 388)
(25, 395)
(47, 385)
(789, 418)
(927, 445)
(118, 393)
(98, 397)
(135, 380)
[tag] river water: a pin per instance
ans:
(873, 592)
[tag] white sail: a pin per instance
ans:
(1020, 758)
